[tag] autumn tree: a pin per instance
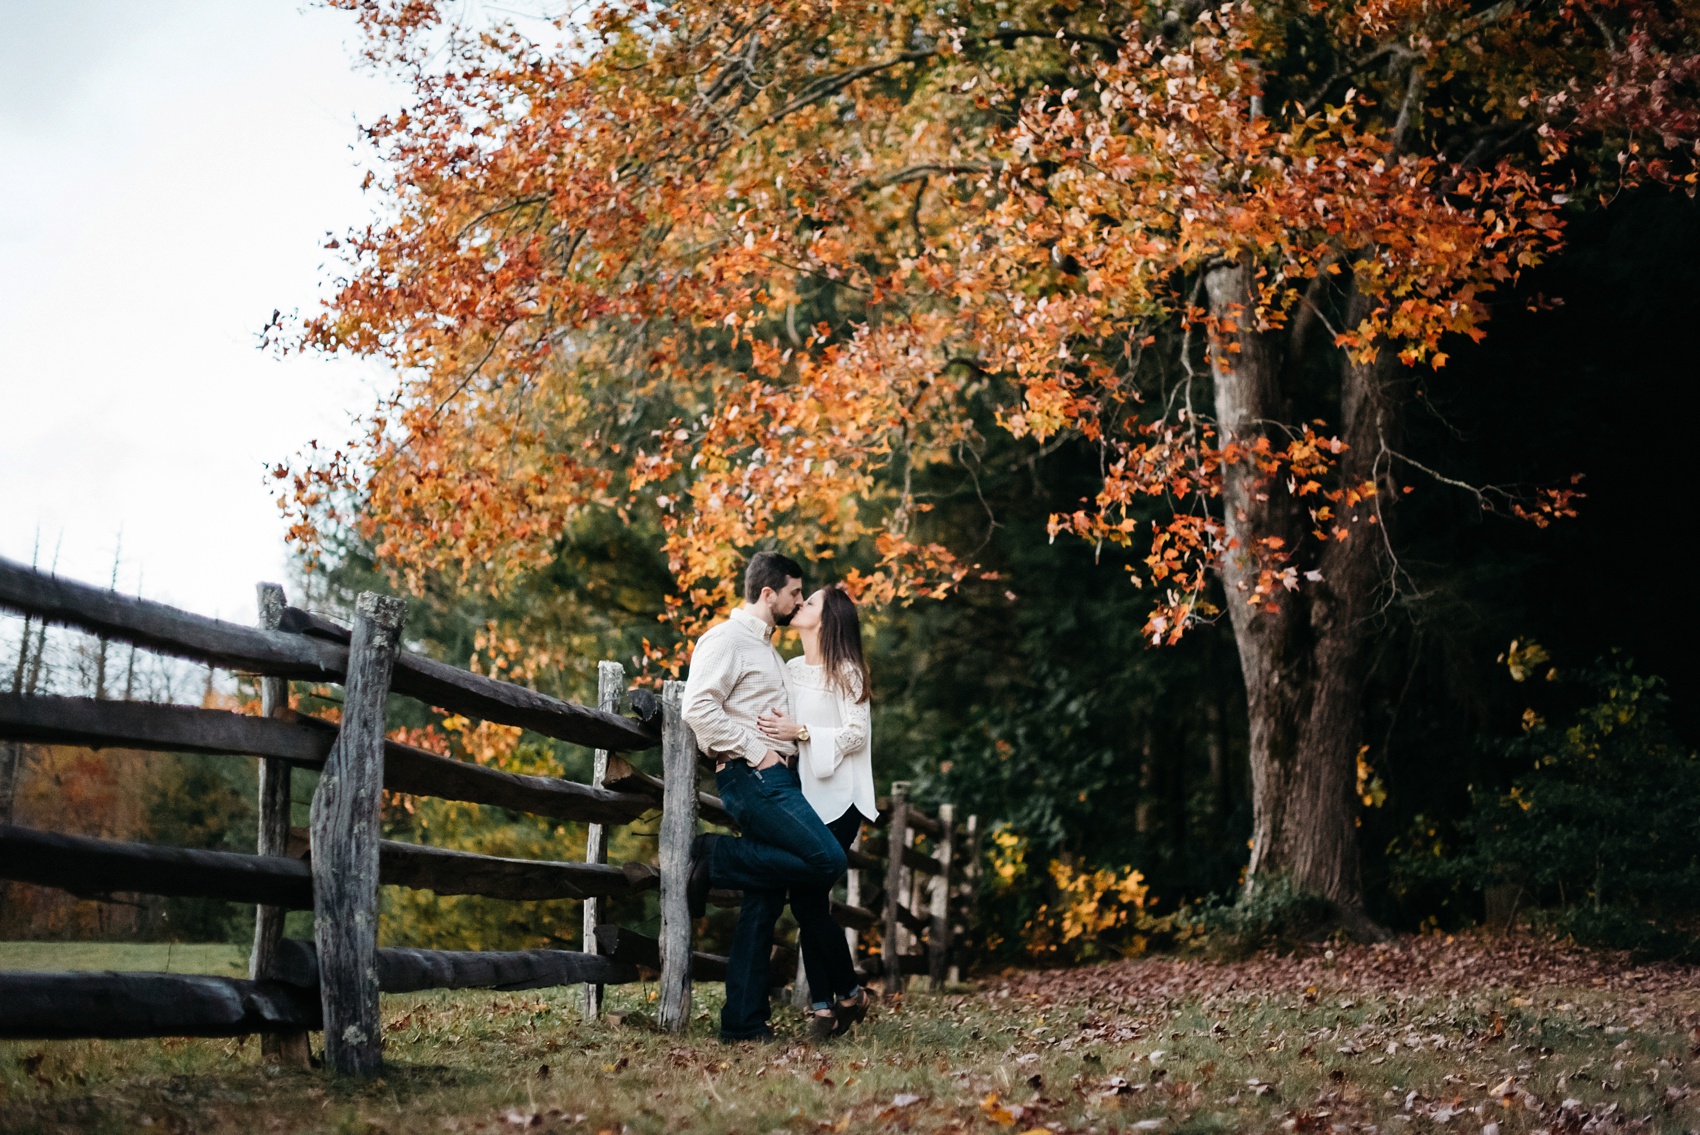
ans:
(747, 269)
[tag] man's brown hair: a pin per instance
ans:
(769, 569)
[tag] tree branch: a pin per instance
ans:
(922, 172)
(832, 84)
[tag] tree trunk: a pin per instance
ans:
(1342, 609)
(1301, 652)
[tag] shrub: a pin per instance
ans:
(1092, 913)
(1275, 914)
(1598, 827)
(1070, 912)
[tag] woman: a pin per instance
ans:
(829, 688)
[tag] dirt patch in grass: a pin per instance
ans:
(1462, 1035)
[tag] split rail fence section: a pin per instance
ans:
(925, 895)
(333, 982)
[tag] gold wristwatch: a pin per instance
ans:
(802, 732)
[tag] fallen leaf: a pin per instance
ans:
(998, 1113)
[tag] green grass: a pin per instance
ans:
(1182, 1048)
(218, 958)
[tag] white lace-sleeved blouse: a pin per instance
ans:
(836, 763)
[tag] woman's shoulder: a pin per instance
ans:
(850, 682)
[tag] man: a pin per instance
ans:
(736, 676)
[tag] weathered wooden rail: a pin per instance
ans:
(333, 982)
(307, 657)
(304, 742)
(335, 869)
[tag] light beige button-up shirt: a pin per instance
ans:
(736, 676)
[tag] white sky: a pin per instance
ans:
(168, 171)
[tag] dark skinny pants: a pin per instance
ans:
(783, 845)
(826, 953)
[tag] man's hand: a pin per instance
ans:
(772, 758)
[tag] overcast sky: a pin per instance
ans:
(168, 171)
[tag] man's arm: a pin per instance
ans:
(714, 672)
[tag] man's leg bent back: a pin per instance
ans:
(784, 842)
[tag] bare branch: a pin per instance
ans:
(831, 84)
(922, 172)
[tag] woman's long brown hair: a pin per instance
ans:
(841, 642)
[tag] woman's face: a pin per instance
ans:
(808, 615)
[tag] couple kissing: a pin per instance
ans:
(792, 747)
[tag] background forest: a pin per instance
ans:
(1528, 705)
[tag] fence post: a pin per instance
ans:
(345, 845)
(800, 983)
(853, 897)
(678, 830)
(938, 945)
(913, 881)
(889, 951)
(286, 1047)
(610, 683)
(970, 880)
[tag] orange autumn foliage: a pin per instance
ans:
(746, 269)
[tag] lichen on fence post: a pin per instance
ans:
(678, 830)
(345, 835)
(610, 684)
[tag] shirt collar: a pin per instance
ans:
(752, 623)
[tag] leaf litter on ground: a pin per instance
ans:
(1436, 1033)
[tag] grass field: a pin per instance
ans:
(1467, 1036)
(167, 957)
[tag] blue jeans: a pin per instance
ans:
(783, 845)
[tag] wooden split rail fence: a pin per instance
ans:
(333, 982)
(927, 893)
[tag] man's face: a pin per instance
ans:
(783, 604)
